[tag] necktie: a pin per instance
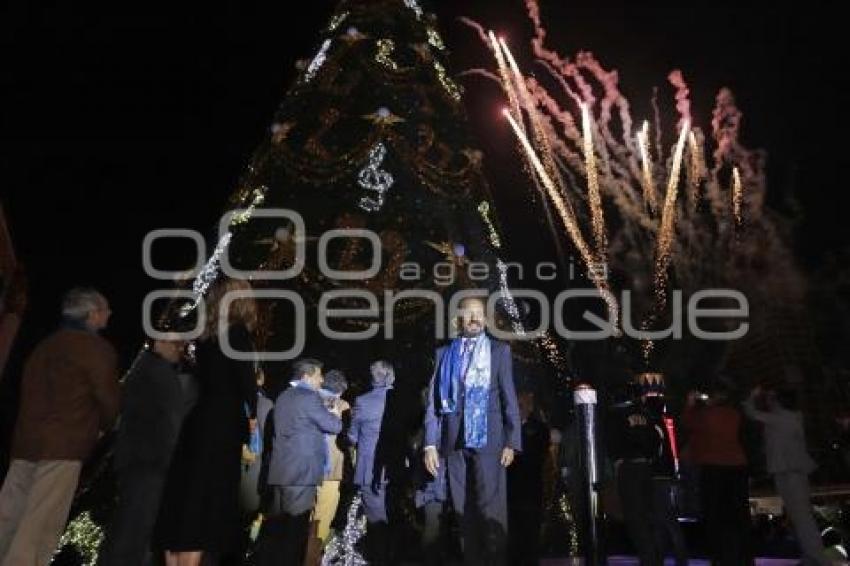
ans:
(468, 345)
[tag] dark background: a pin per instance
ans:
(120, 118)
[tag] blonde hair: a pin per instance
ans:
(242, 310)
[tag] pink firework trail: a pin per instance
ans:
(620, 185)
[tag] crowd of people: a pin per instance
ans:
(200, 458)
(648, 464)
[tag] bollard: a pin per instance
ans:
(584, 398)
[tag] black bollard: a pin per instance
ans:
(584, 398)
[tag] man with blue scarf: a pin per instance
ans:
(472, 422)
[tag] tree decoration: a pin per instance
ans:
(342, 547)
(317, 61)
(373, 178)
(85, 536)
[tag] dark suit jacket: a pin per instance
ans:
(503, 422)
(365, 430)
(69, 393)
(299, 447)
(151, 414)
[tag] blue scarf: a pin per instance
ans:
(476, 382)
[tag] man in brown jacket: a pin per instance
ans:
(69, 396)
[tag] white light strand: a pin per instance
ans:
(414, 5)
(507, 296)
(317, 61)
(385, 50)
(342, 548)
(259, 196)
(85, 536)
(372, 178)
(337, 20)
(451, 87)
(435, 40)
(209, 273)
(484, 210)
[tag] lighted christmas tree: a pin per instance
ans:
(371, 136)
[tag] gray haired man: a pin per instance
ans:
(69, 396)
(377, 432)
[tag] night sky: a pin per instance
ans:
(119, 118)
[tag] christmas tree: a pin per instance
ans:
(372, 136)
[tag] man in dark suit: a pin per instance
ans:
(152, 412)
(377, 431)
(297, 465)
(472, 421)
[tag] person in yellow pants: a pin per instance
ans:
(327, 498)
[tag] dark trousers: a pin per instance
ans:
(634, 486)
(668, 532)
(379, 540)
(128, 538)
(283, 537)
(477, 484)
(283, 540)
(433, 551)
(375, 503)
(525, 519)
(724, 497)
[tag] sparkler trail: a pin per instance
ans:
(596, 212)
(667, 233)
(569, 221)
(737, 196)
(541, 140)
(650, 196)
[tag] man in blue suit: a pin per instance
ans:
(297, 465)
(378, 433)
(472, 421)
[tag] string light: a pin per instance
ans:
(372, 178)
(414, 5)
(210, 272)
(385, 49)
(337, 20)
(451, 87)
(85, 536)
(484, 210)
(259, 195)
(317, 61)
(508, 298)
(207, 275)
(342, 548)
(434, 39)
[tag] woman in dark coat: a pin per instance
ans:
(200, 516)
